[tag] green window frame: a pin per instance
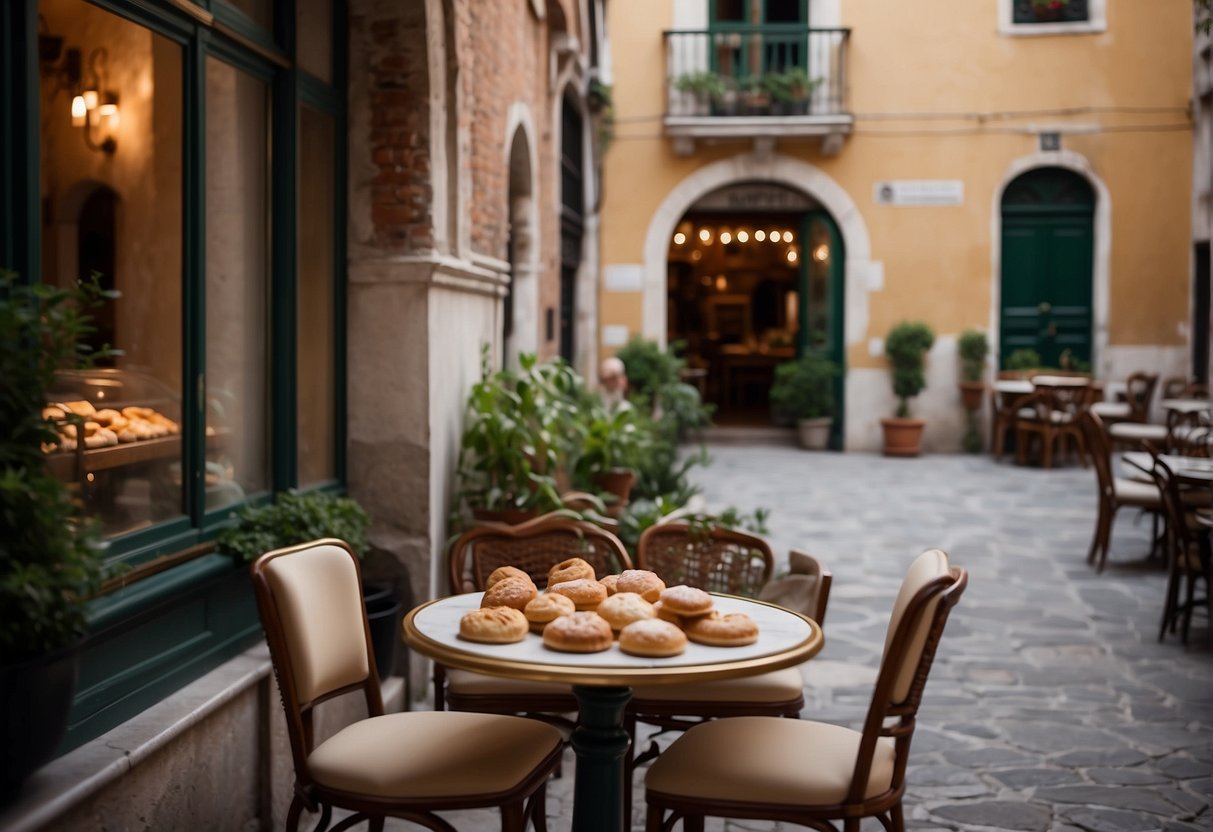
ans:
(185, 608)
(746, 50)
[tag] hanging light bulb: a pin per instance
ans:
(79, 111)
(788, 238)
(725, 238)
(680, 238)
(743, 236)
(774, 235)
(705, 235)
(821, 253)
(792, 255)
(760, 235)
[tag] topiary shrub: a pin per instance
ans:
(906, 347)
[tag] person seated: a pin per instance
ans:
(612, 382)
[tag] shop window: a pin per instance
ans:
(111, 144)
(237, 278)
(317, 339)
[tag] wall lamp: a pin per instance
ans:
(93, 108)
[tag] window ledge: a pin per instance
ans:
(79, 775)
(1029, 30)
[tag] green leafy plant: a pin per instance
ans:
(296, 517)
(705, 84)
(906, 347)
(791, 85)
(50, 558)
(519, 430)
(1069, 361)
(611, 440)
(1024, 358)
(973, 347)
(804, 389)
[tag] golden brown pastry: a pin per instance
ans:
(652, 637)
(586, 594)
(509, 592)
(611, 582)
(502, 572)
(572, 569)
(581, 632)
(732, 630)
(546, 608)
(52, 412)
(80, 408)
(493, 625)
(686, 600)
(644, 583)
(622, 608)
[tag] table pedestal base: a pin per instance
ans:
(601, 745)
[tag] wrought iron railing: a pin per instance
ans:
(777, 70)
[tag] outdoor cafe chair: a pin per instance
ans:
(1135, 406)
(1050, 415)
(1114, 492)
(406, 765)
(809, 773)
(534, 547)
(1188, 557)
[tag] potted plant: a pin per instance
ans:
(754, 98)
(519, 430)
(804, 389)
(973, 347)
(50, 559)
(610, 451)
(297, 517)
(706, 88)
(906, 347)
(790, 91)
(1022, 362)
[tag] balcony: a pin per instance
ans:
(756, 82)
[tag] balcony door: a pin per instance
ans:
(753, 37)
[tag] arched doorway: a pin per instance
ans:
(754, 278)
(572, 219)
(1048, 221)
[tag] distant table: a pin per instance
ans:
(1185, 407)
(1194, 470)
(603, 681)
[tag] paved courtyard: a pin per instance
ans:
(1051, 705)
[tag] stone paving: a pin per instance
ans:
(1051, 704)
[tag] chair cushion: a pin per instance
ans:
(1136, 493)
(427, 754)
(756, 759)
(779, 686)
(1114, 410)
(482, 684)
(1137, 431)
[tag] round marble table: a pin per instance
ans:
(602, 681)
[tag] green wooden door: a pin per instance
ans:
(1047, 257)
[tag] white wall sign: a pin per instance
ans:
(614, 335)
(624, 278)
(919, 192)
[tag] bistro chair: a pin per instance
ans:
(405, 765)
(1187, 548)
(1004, 405)
(1114, 491)
(534, 547)
(1135, 403)
(1050, 415)
(809, 773)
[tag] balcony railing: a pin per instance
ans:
(756, 71)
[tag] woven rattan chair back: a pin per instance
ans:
(713, 559)
(534, 547)
(1139, 392)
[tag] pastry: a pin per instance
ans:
(493, 625)
(581, 632)
(546, 608)
(509, 592)
(652, 637)
(622, 608)
(570, 570)
(52, 412)
(644, 583)
(686, 600)
(80, 408)
(586, 594)
(611, 582)
(506, 572)
(731, 630)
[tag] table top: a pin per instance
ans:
(1186, 405)
(1013, 385)
(1045, 380)
(785, 638)
(1193, 468)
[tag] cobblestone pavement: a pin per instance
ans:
(1051, 704)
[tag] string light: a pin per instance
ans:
(792, 256)
(725, 238)
(760, 235)
(743, 236)
(821, 253)
(705, 235)
(680, 238)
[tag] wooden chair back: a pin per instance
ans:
(309, 598)
(928, 592)
(1099, 450)
(1139, 392)
(711, 558)
(534, 547)
(805, 589)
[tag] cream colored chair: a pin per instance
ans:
(405, 765)
(809, 773)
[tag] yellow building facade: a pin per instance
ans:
(1014, 166)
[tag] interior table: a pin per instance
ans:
(602, 682)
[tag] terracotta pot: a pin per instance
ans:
(971, 394)
(814, 434)
(617, 481)
(902, 437)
